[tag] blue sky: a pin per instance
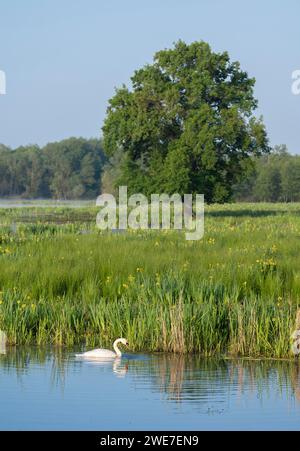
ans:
(63, 58)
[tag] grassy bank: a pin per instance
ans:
(235, 291)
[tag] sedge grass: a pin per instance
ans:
(235, 291)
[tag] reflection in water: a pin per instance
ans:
(295, 380)
(119, 368)
(179, 376)
(198, 385)
(190, 378)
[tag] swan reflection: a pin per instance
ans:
(180, 378)
(118, 366)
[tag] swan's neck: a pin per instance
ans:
(116, 349)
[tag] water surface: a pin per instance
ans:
(11, 202)
(49, 389)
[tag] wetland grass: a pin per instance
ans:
(236, 291)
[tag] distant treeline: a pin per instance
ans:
(69, 169)
(77, 168)
(274, 178)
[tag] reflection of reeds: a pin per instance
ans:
(171, 375)
(19, 359)
(295, 380)
(181, 377)
(259, 375)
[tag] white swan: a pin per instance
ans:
(105, 353)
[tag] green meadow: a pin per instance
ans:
(235, 292)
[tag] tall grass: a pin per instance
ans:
(235, 291)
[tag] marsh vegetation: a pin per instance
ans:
(236, 291)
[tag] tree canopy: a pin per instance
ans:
(274, 178)
(186, 125)
(68, 169)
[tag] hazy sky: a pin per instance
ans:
(63, 58)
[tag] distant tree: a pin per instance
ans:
(74, 168)
(4, 148)
(243, 191)
(68, 169)
(274, 178)
(33, 167)
(112, 172)
(281, 151)
(268, 184)
(290, 175)
(186, 125)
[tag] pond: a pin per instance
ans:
(49, 389)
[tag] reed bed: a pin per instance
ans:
(236, 291)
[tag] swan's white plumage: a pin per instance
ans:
(96, 353)
(104, 353)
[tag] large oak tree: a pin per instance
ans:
(186, 125)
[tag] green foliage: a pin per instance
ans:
(274, 178)
(69, 169)
(236, 291)
(186, 125)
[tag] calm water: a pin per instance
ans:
(22, 203)
(50, 389)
